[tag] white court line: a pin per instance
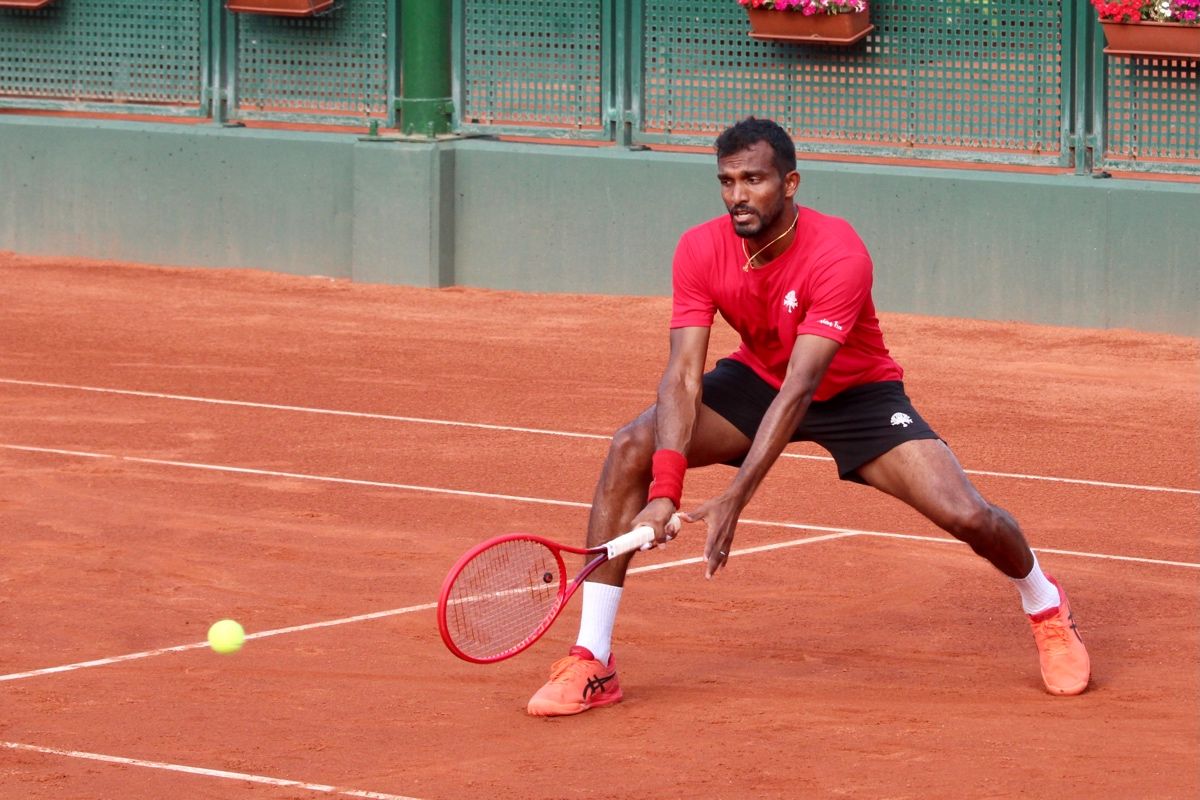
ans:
(746, 551)
(208, 773)
(297, 475)
(539, 431)
(1077, 553)
(526, 499)
(179, 648)
(100, 662)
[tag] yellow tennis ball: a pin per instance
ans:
(226, 636)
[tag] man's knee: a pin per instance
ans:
(973, 521)
(632, 446)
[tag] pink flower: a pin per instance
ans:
(811, 7)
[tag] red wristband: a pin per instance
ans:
(668, 467)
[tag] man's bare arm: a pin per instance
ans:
(810, 358)
(679, 390)
(675, 411)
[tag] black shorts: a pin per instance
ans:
(855, 426)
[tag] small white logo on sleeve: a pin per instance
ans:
(790, 302)
(900, 418)
(834, 324)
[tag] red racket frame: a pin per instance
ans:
(626, 543)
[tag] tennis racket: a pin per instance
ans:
(503, 594)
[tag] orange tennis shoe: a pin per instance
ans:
(577, 682)
(1066, 668)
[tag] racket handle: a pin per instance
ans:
(628, 542)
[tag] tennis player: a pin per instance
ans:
(811, 366)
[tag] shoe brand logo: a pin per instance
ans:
(1074, 627)
(596, 684)
(900, 418)
(790, 302)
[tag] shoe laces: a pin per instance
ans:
(563, 670)
(1054, 635)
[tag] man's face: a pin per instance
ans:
(754, 192)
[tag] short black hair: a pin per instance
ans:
(751, 131)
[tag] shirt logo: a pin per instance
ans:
(834, 324)
(901, 419)
(790, 302)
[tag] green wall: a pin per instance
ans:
(1057, 249)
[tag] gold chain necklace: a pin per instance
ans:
(750, 258)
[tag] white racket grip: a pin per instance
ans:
(636, 539)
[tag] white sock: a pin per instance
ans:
(596, 620)
(1037, 593)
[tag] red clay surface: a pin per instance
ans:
(858, 666)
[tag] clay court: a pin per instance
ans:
(309, 456)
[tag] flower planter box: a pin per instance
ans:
(1152, 39)
(793, 26)
(30, 4)
(280, 8)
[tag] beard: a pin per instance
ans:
(756, 223)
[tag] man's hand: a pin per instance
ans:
(660, 515)
(721, 515)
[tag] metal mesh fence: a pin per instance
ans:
(110, 51)
(968, 80)
(1152, 112)
(334, 64)
(956, 74)
(536, 64)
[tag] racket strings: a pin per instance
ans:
(503, 596)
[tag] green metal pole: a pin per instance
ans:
(425, 105)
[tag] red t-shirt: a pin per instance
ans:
(820, 285)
